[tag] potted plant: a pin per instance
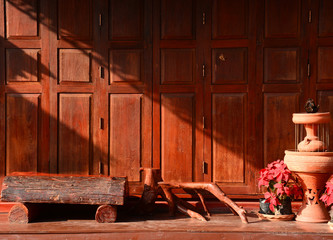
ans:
(327, 197)
(281, 186)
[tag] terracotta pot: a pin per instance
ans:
(314, 169)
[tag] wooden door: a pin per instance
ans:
(24, 86)
(177, 90)
(230, 95)
(321, 57)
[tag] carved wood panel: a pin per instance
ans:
(177, 136)
(75, 19)
(229, 136)
(224, 13)
(177, 66)
(74, 130)
(74, 65)
(177, 19)
(22, 18)
(126, 65)
(229, 65)
(126, 20)
(22, 65)
(22, 132)
(325, 18)
(281, 65)
(325, 101)
(125, 135)
(325, 61)
(282, 18)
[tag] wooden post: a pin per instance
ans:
(22, 213)
(106, 214)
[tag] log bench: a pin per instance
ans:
(30, 190)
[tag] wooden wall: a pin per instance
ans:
(202, 89)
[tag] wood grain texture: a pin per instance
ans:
(325, 61)
(325, 18)
(64, 189)
(177, 19)
(22, 18)
(125, 135)
(281, 65)
(75, 65)
(177, 66)
(229, 65)
(126, 20)
(22, 135)
(225, 12)
(282, 18)
(74, 133)
(75, 19)
(106, 214)
(22, 65)
(126, 65)
(177, 139)
(229, 134)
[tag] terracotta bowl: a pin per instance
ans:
(311, 118)
(312, 162)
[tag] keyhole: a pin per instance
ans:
(222, 58)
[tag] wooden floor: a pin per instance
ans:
(161, 226)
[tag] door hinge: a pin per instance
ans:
(309, 69)
(101, 72)
(101, 123)
(203, 18)
(100, 19)
(203, 70)
(204, 167)
(310, 16)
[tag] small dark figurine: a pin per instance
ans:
(310, 106)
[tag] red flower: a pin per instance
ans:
(272, 200)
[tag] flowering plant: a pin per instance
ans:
(327, 196)
(280, 184)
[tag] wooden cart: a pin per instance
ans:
(33, 189)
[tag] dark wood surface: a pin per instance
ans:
(58, 114)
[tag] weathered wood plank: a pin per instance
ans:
(64, 189)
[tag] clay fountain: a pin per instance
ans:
(312, 161)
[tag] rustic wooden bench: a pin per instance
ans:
(33, 189)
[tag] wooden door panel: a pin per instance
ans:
(177, 19)
(282, 18)
(229, 137)
(22, 65)
(177, 66)
(74, 65)
(74, 130)
(325, 18)
(22, 132)
(126, 20)
(177, 136)
(226, 15)
(229, 65)
(279, 130)
(281, 65)
(75, 19)
(126, 65)
(22, 18)
(125, 135)
(325, 61)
